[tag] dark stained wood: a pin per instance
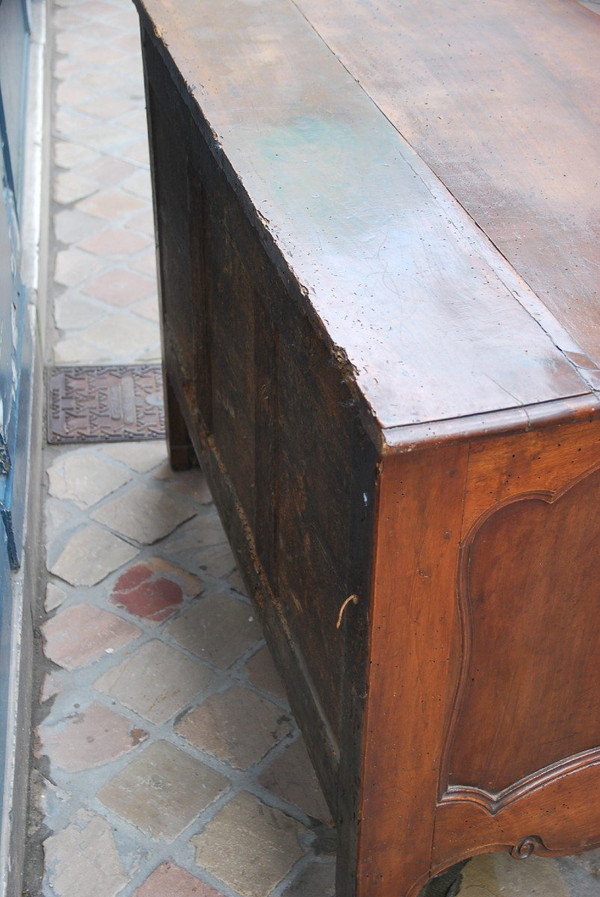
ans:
(381, 336)
(268, 450)
(391, 263)
(501, 100)
(181, 450)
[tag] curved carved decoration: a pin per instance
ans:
(494, 803)
(527, 847)
(521, 718)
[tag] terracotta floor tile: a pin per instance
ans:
(119, 287)
(193, 540)
(68, 66)
(262, 673)
(218, 560)
(154, 599)
(249, 845)
(292, 777)
(50, 688)
(162, 790)
(102, 32)
(151, 354)
(125, 17)
(139, 151)
(71, 225)
(69, 124)
(145, 263)
(498, 875)
(218, 628)
(131, 67)
(114, 242)
(69, 92)
(237, 583)
(98, 79)
(69, 187)
(57, 516)
(93, 737)
(73, 267)
(79, 351)
(186, 482)
(95, 9)
(142, 221)
(106, 170)
(78, 635)
(139, 183)
(121, 335)
(65, 18)
(55, 596)
(140, 456)
(317, 880)
(144, 514)
(90, 555)
(137, 121)
(581, 873)
(153, 589)
(82, 860)
(75, 312)
(147, 308)
(105, 55)
(130, 43)
(237, 726)
(157, 681)
(84, 477)
(72, 155)
(169, 880)
(111, 204)
(106, 107)
(109, 139)
(67, 43)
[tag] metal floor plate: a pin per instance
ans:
(104, 403)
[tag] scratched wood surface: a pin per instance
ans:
(434, 321)
(380, 335)
(500, 98)
(245, 363)
(484, 638)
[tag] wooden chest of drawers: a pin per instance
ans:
(378, 231)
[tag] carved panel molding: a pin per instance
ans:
(529, 593)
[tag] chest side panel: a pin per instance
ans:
(271, 411)
(523, 743)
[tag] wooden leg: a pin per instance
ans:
(181, 451)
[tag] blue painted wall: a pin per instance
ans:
(14, 48)
(15, 348)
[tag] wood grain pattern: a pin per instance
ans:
(414, 665)
(558, 820)
(540, 544)
(543, 460)
(549, 751)
(431, 319)
(245, 362)
(376, 353)
(501, 100)
(502, 695)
